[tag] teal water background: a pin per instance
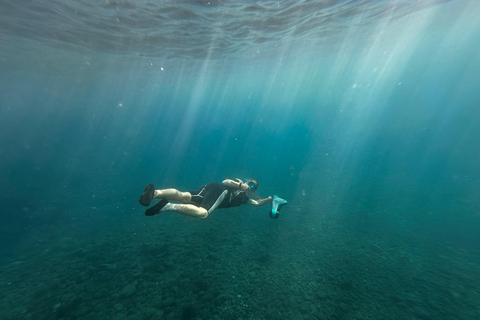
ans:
(363, 115)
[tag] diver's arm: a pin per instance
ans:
(234, 184)
(259, 203)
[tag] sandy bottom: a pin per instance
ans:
(234, 266)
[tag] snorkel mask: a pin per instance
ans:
(252, 184)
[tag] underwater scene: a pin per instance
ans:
(362, 115)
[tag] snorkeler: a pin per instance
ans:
(202, 202)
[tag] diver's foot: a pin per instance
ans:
(147, 195)
(156, 208)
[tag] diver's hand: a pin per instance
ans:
(270, 199)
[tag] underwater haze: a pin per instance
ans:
(363, 115)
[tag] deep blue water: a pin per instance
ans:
(362, 114)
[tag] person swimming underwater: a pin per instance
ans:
(202, 202)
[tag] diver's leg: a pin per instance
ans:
(186, 209)
(173, 195)
(169, 194)
(211, 202)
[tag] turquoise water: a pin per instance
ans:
(362, 114)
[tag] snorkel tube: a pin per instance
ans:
(252, 185)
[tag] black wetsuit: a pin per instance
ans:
(208, 196)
